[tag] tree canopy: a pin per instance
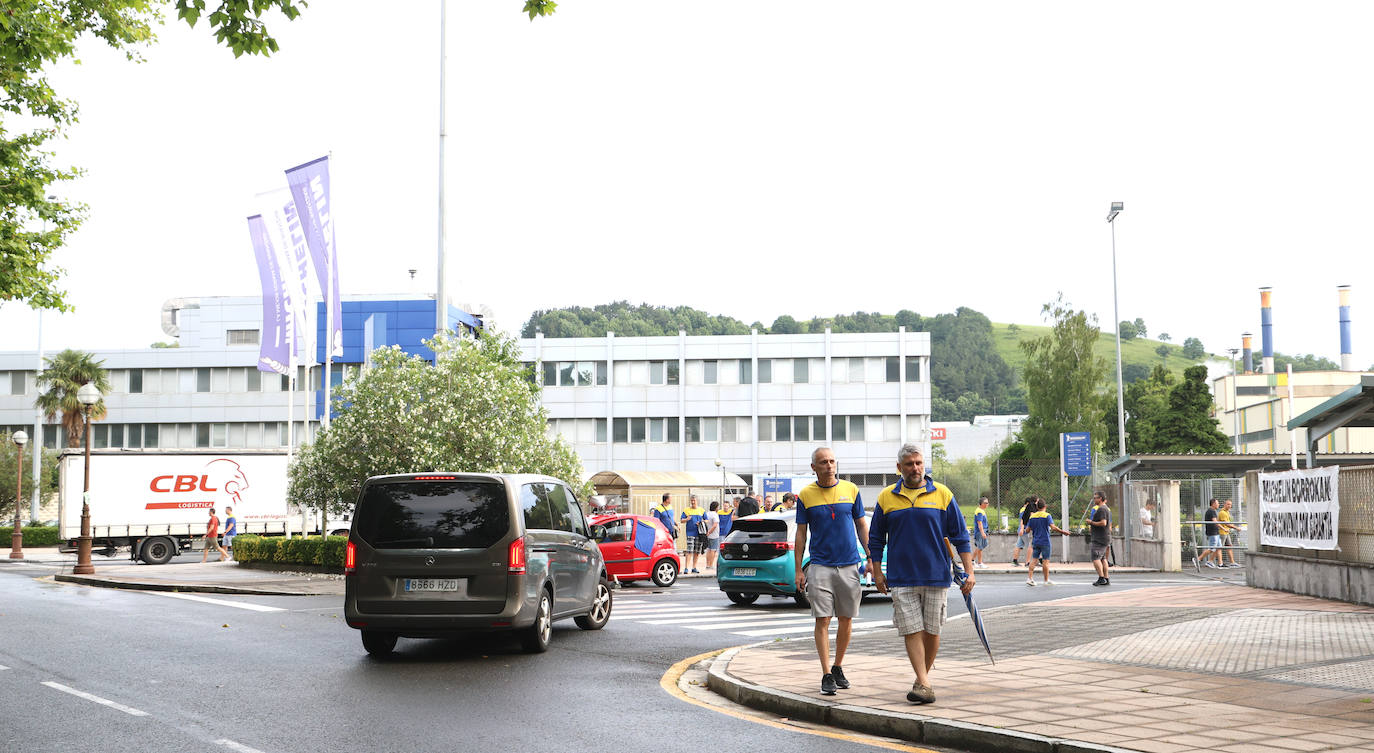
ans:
(476, 410)
(1062, 379)
(63, 375)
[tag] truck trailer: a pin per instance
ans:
(156, 503)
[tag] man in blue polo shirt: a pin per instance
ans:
(912, 521)
(1040, 524)
(663, 512)
(831, 514)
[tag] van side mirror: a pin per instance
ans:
(598, 533)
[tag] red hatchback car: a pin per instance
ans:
(638, 547)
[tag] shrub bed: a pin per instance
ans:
(38, 536)
(326, 553)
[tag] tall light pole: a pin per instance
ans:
(721, 465)
(1235, 409)
(440, 294)
(88, 396)
(17, 538)
(1116, 325)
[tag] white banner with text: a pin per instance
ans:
(1300, 508)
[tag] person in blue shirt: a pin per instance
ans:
(980, 533)
(693, 517)
(831, 515)
(663, 512)
(1040, 524)
(912, 521)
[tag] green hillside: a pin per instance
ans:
(1142, 351)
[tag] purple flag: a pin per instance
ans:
(276, 344)
(310, 192)
(279, 210)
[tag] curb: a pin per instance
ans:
(89, 580)
(894, 724)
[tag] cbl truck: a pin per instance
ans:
(156, 502)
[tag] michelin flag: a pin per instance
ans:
(310, 191)
(287, 235)
(277, 336)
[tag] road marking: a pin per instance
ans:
(3, 668)
(240, 747)
(96, 699)
(221, 602)
(723, 617)
(809, 628)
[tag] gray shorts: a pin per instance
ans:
(1023, 541)
(833, 591)
(919, 609)
(696, 544)
(1097, 551)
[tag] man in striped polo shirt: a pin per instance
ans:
(831, 514)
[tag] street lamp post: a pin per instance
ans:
(17, 538)
(1235, 409)
(721, 465)
(1116, 325)
(88, 396)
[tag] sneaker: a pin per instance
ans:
(1030, 582)
(1209, 563)
(1106, 581)
(1050, 583)
(1100, 581)
(828, 684)
(841, 681)
(921, 694)
(1014, 563)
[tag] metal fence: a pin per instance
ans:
(1006, 484)
(1355, 532)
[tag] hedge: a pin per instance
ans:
(33, 535)
(313, 550)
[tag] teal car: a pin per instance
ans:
(757, 559)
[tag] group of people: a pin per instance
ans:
(231, 529)
(704, 528)
(1220, 535)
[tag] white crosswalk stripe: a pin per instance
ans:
(753, 622)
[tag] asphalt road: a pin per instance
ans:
(101, 669)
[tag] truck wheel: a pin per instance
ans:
(379, 644)
(157, 551)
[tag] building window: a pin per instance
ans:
(856, 428)
(253, 380)
(656, 372)
(674, 431)
(622, 430)
(673, 375)
(893, 369)
(765, 371)
(727, 429)
(135, 381)
(709, 372)
(856, 370)
(550, 374)
(801, 428)
(565, 373)
(710, 430)
(765, 429)
(818, 428)
(801, 372)
(693, 427)
(838, 425)
(913, 368)
(782, 428)
(242, 336)
(202, 385)
(202, 435)
(150, 436)
(746, 371)
(636, 430)
(601, 430)
(601, 373)
(18, 382)
(656, 426)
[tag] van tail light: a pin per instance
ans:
(517, 556)
(350, 558)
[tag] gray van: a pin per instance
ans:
(433, 555)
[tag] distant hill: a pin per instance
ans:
(1138, 356)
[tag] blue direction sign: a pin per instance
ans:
(1077, 452)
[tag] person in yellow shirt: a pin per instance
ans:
(1227, 539)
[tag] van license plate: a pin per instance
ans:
(746, 572)
(451, 585)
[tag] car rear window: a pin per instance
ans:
(433, 515)
(750, 531)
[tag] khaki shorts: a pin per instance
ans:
(919, 609)
(833, 591)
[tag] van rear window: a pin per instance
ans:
(433, 515)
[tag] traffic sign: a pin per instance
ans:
(1076, 453)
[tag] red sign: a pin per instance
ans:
(937, 433)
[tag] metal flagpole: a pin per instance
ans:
(440, 309)
(37, 429)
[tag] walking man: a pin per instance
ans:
(1227, 536)
(212, 539)
(1100, 537)
(980, 533)
(1040, 524)
(1023, 540)
(832, 516)
(1211, 557)
(697, 531)
(231, 528)
(912, 521)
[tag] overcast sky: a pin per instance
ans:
(752, 159)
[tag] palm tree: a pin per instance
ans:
(61, 378)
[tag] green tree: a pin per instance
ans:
(1164, 337)
(475, 410)
(63, 374)
(9, 472)
(1308, 362)
(1146, 402)
(1164, 351)
(1127, 330)
(1192, 349)
(1140, 329)
(1134, 372)
(786, 325)
(36, 34)
(1062, 378)
(1188, 425)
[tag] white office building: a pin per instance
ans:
(759, 403)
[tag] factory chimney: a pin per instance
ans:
(1267, 329)
(1347, 358)
(1248, 356)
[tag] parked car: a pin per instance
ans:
(757, 559)
(433, 555)
(637, 547)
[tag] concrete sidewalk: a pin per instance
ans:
(212, 577)
(1164, 669)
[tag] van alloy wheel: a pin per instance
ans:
(536, 637)
(601, 609)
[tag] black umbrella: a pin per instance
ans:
(959, 577)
